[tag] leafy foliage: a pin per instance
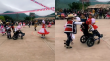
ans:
(7, 17)
(27, 18)
(2, 18)
(78, 5)
(108, 2)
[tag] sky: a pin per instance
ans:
(25, 5)
(103, 0)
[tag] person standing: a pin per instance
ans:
(70, 29)
(100, 14)
(43, 30)
(35, 24)
(29, 23)
(2, 30)
(8, 30)
(23, 24)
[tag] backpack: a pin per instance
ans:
(74, 28)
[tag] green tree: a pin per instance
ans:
(2, 18)
(27, 18)
(86, 4)
(33, 17)
(108, 2)
(7, 17)
(75, 5)
(78, 5)
(56, 5)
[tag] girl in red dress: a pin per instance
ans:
(2, 30)
(91, 22)
(43, 30)
(23, 24)
(49, 25)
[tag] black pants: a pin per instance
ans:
(96, 32)
(100, 16)
(8, 34)
(29, 26)
(69, 39)
(35, 28)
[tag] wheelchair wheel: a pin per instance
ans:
(83, 39)
(14, 38)
(90, 42)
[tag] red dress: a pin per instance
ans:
(43, 30)
(89, 22)
(49, 25)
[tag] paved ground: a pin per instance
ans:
(31, 48)
(81, 52)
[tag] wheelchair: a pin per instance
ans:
(17, 34)
(88, 36)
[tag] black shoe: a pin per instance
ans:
(21, 37)
(98, 42)
(64, 41)
(68, 47)
(101, 35)
(65, 45)
(3, 35)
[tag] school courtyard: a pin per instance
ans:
(31, 48)
(79, 51)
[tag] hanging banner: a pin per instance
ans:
(44, 9)
(41, 4)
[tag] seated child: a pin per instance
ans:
(91, 22)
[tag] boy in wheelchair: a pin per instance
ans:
(18, 33)
(90, 29)
(92, 26)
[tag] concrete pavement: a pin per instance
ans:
(31, 48)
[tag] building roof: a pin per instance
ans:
(45, 18)
(99, 6)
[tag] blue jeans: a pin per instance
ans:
(69, 39)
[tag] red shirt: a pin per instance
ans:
(89, 22)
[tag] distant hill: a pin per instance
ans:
(14, 16)
(21, 16)
(64, 3)
(50, 15)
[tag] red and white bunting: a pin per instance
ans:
(41, 4)
(44, 9)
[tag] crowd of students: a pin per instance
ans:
(98, 13)
(6, 28)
